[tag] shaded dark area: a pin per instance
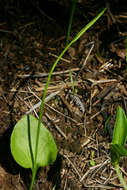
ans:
(32, 35)
(9, 164)
(54, 172)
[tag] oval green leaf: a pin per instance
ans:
(119, 137)
(120, 128)
(23, 141)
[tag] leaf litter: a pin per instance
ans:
(76, 121)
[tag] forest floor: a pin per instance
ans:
(31, 38)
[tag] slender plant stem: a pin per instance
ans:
(126, 51)
(43, 98)
(70, 20)
(34, 171)
(72, 82)
(120, 176)
(48, 81)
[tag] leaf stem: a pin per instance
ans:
(49, 78)
(120, 176)
(34, 171)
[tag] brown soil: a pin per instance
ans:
(32, 35)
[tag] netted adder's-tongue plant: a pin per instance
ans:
(117, 146)
(32, 145)
(23, 145)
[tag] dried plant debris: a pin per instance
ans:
(78, 102)
(30, 43)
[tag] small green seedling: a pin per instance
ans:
(32, 145)
(92, 162)
(74, 90)
(117, 147)
(54, 188)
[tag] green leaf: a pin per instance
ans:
(117, 151)
(92, 163)
(119, 137)
(23, 141)
(120, 128)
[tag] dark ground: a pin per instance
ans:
(32, 34)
